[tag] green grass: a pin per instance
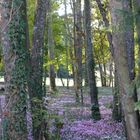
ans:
(105, 90)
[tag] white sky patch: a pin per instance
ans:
(61, 10)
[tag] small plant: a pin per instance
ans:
(59, 125)
(95, 112)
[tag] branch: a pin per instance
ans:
(106, 21)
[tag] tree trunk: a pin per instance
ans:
(15, 54)
(91, 64)
(117, 110)
(85, 76)
(66, 43)
(78, 48)
(129, 38)
(103, 62)
(110, 83)
(70, 41)
(37, 48)
(51, 51)
(136, 6)
(36, 82)
(120, 57)
(100, 68)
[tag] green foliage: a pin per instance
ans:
(137, 105)
(95, 112)
(31, 6)
(58, 31)
(42, 117)
(101, 46)
(39, 113)
(18, 83)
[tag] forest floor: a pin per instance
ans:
(68, 120)
(75, 120)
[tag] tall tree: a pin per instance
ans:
(136, 9)
(129, 38)
(78, 49)
(120, 57)
(66, 42)
(15, 54)
(51, 49)
(90, 62)
(37, 48)
(36, 80)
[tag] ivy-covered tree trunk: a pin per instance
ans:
(13, 39)
(120, 57)
(51, 50)
(36, 81)
(91, 64)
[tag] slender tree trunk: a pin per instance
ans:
(103, 62)
(37, 48)
(117, 111)
(91, 64)
(129, 38)
(75, 63)
(78, 49)
(100, 69)
(136, 6)
(15, 54)
(62, 80)
(86, 76)
(70, 41)
(101, 74)
(36, 84)
(120, 57)
(66, 44)
(51, 50)
(104, 74)
(71, 58)
(136, 10)
(84, 44)
(110, 83)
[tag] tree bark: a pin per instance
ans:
(136, 7)
(136, 10)
(120, 57)
(91, 64)
(37, 48)
(117, 109)
(51, 51)
(15, 54)
(36, 81)
(78, 49)
(66, 43)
